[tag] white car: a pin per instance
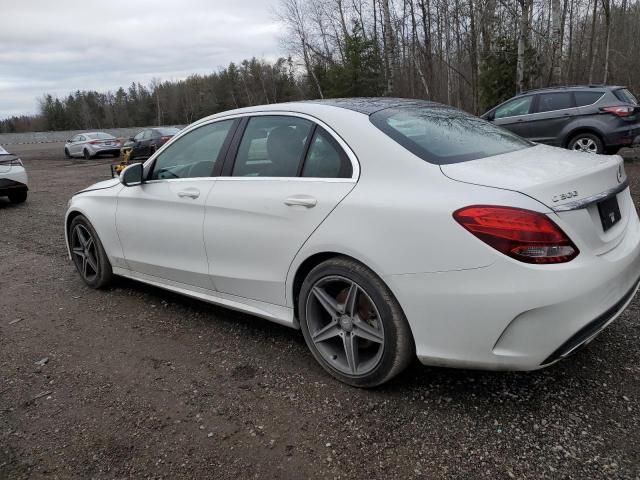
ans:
(384, 229)
(14, 182)
(92, 144)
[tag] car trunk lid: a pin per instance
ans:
(572, 184)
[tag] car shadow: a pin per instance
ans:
(419, 383)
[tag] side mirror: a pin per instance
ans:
(132, 175)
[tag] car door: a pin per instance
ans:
(72, 145)
(271, 196)
(552, 112)
(159, 222)
(514, 115)
(76, 146)
(136, 149)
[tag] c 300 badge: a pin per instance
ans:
(564, 196)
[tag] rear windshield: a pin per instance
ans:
(167, 131)
(442, 135)
(625, 95)
(99, 136)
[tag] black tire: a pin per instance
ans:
(398, 348)
(18, 197)
(104, 274)
(66, 153)
(586, 142)
(86, 154)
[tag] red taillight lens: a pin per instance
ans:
(94, 142)
(165, 138)
(525, 235)
(619, 111)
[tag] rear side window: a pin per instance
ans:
(326, 159)
(626, 96)
(514, 108)
(194, 154)
(443, 135)
(549, 102)
(272, 146)
(587, 98)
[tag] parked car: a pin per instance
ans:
(92, 144)
(383, 228)
(13, 178)
(145, 143)
(592, 119)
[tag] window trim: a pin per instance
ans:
(242, 120)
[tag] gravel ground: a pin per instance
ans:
(135, 382)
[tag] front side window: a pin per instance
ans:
(442, 135)
(138, 137)
(326, 159)
(514, 108)
(549, 102)
(272, 146)
(194, 154)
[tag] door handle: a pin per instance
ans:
(189, 193)
(301, 200)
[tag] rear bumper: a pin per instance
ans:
(112, 150)
(11, 186)
(512, 316)
(624, 137)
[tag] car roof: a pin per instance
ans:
(571, 87)
(363, 105)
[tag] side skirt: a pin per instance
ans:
(268, 311)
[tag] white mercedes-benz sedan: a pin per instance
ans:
(14, 182)
(384, 229)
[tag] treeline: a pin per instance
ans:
(468, 53)
(251, 82)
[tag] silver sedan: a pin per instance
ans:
(92, 144)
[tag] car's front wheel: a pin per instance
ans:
(88, 254)
(353, 324)
(587, 143)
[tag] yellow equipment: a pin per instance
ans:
(116, 168)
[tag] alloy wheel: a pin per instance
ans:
(586, 145)
(345, 325)
(85, 253)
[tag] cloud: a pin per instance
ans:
(67, 45)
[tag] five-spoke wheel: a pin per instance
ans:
(88, 254)
(352, 324)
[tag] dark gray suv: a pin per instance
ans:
(594, 119)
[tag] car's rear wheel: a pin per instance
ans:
(586, 142)
(18, 197)
(353, 324)
(66, 153)
(87, 154)
(88, 254)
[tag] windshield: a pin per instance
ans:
(100, 136)
(625, 95)
(443, 135)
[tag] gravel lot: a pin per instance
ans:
(143, 383)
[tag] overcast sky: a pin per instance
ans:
(59, 46)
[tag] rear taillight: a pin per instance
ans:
(525, 235)
(619, 111)
(94, 142)
(165, 138)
